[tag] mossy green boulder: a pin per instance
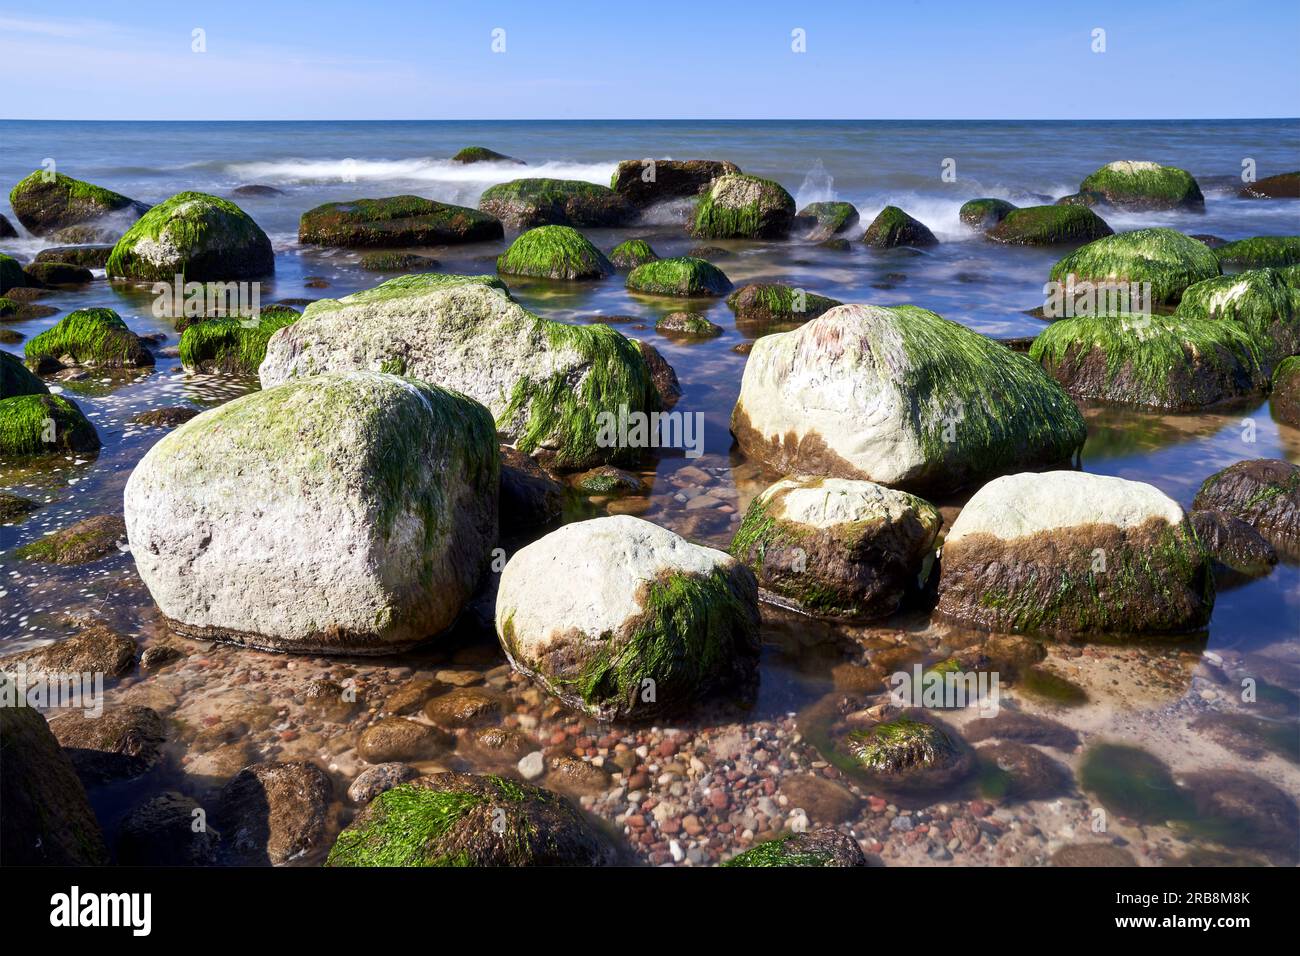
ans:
(44, 272)
(547, 383)
(524, 203)
(900, 745)
(232, 345)
(15, 379)
(679, 276)
(554, 252)
(737, 206)
(984, 213)
(91, 256)
(43, 424)
(1259, 251)
(687, 325)
(632, 253)
(1284, 399)
(1156, 361)
(821, 220)
(45, 203)
(763, 305)
(893, 227)
(1260, 301)
(11, 274)
(1049, 225)
(203, 238)
(1133, 184)
(395, 222)
(815, 848)
(90, 338)
(481, 154)
(1165, 258)
(623, 619)
(405, 262)
(461, 820)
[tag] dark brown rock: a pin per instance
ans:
(122, 742)
(273, 813)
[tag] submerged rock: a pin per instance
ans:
(122, 742)
(547, 384)
(632, 253)
(681, 276)
(1023, 728)
(1281, 186)
(529, 496)
(837, 548)
(1048, 225)
(1285, 397)
(1071, 552)
(90, 539)
(397, 738)
(1165, 258)
(1025, 772)
(89, 338)
(167, 830)
(273, 813)
(395, 222)
(457, 819)
(646, 182)
(165, 417)
(42, 425)
(554, 252)
(524, 203)
(737, 206)
(95, 650)
(45, 203)
(1234, 544)
(649, 625)
(983, 214)
(763, 304)
(821, 847)
(902, 397)
(196, 235)
(374, 512)
(893, 227)
(1132, 184)
(13, 508)
(1092, 855)
(687, 325)
(1263, 492)
(378, 779)
(821, 220)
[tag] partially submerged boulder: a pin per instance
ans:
(983, 214)
(632, 253)
(1263, 492)
(893, 227)
(1285, 397)
(124, 741)
(837, 548)
(623, 619)
(1260, 302)
(274, 812)
(1281, 186)
(524, 203)
(687, 325)
(89, 338)
(7, 230)
(646, 182)
(737, 206)
(12, 275)
(93, 256)
(481, 154)
(84, 541)
(1165, 258)
(16, 379)
(1235, 546)
(374, 515)
(680, 276)
(46, 202)
(1133, 184)
(46, 273)
(201, 237)
(1049, 225)
(821, 220)
(234, 346)
(1259, 252)
(547, 383)
(762, 304)
(97, 649)
(902, 397)
(395, 222)
(554, 252)
(1070, 552)
(44, 424)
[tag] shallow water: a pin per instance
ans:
(1145, 696)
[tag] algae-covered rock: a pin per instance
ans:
(47, 274)
(837, 548)
(90, 338)
(198, 236)
(1134, 184)
(893, 227)
(623, 619)
(1049, 225)
(481, 154)
(1263, 492)
(1281, 186)
(984, 213)
(15, 379)
(232, 345)
(905, 745)
(825, 846)
(554, 252)
(96, 649)
(646, 182)
(821, 220)
(737, 206)
(1071, 552)
(1259, 251)
(762, 304)
(404, 262)
(90, 539)
(44, 424)
(14, 508)
(632, 253)
(680, 276)
(1260, 301)
(93, 256)
(46, 202)
(11, 274)
(1165, 258)
(546, 383)
(395, 222)
(1157, 361)
(687, 325)
(1285, 397)
(373, 518)
(902, 397)
(524, 203)
(457, 819)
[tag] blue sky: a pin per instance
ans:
(922, 59)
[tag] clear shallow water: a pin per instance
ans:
(986, 287)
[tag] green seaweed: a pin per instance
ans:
(232, 345)
(554, 252)
(1167, 259)
(93, 337)
(27, 421)
(679, 276)
(212, 239)
(632, 253)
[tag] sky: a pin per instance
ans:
(660, 59)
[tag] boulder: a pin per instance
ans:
(14, 508)
(837, 548)
(395, 222)
(901, 397)
(1285, 397)
(397, 738)
(893, 227)
(548, 384)
(632, 253)
(1069, 552)
(88, 338)
(680, 276)
(1132, 184)
(95, 650)
(687, 325)
(737, 206)
(481, 154)
(7, 230)
(123, 742)
(1259, 252)
(12, 275)
(167, 830)
(554, 252)
(201, 237)
(623, 619)
(983, 214)
(1235, 545)
(524, 203)
(1048, 225)
(1260, 302)
(761, 305)
(529, 496)
(664, 377)
(45, 203)
(403, 262)
(1263, 492)
(89, 539)
(821, 220)
(233, 346)
(44, 424)
(44, 273)
(1165, 258)
(339, 513)
(646, 182)
(1281, 186)
(274, 813)
(378, 779)
(93, 256)
(825, 846)
(15, 379)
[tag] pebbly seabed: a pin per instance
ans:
(1105, 750)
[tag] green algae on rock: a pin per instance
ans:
(459, 820)
(1069, 552)
(646, 182)
(687, 325)
(405, 262)
(45, 202)
(554, 252)
(737, 206)
(481, 154)
(524, 203)
(900, 745)
(984, 213)
(375, 514)
(1259, 252)
(87, 540)
(1133, 783)
(16, 379)
(232, 345)
(761, 304)
(825, 846)
(1048, 225)
(549, 384)
(1142, 185)
(91, 256)
(200, 237)
(12, 275)
(680, 276)
(1156, 361)
(1260, 301)
(45, 273)
(836, 548)
(43, 424)
(1284, 399)
(395, 222)
(90, 338)
(893, 227)
(821, 220)
(1165, 258)
(1263, 492)
(632, 253)
(623, 619)
(933, 404)
(13, 508)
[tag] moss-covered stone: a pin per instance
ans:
(688, 325)
(1281, 186)
(554, 252)
(1259, 251)
(1142, 185)
(13, 508)
(607, 480)
(11, 274)
(481, 154)
(45, 203)
(1285, 397)
(764, 304)
(524, 203)
(93, 338)
(816, 848)
(201, 237)
(1259, 301)
(632, 253)
(821, 220)
(1167, 259)
(15, 379)
(679, 276)
(737, 206)
(453, 819)
(232, 345)
(87, 540)
(395, 222)
(1157, 361)
(901, 744)
(43, 424)
(94, 256)
(893, 227)
(1049, 225)
(46, 273)
(1263, 492)
(396, 262)
(671, 178)
(984, 213)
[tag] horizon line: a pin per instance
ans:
(691, 119)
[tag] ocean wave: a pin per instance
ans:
(423, 170)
